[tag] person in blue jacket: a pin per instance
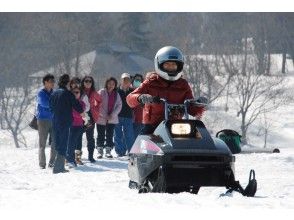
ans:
(44, 120)
(62, 102)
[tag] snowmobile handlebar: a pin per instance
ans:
(185, 106)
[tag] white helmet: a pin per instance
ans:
(165, 54)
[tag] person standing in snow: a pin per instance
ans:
(75, 82)
(124, 131)
(138, 111)
(110, 108)
(88, 90)
(44, 120)
(166, 82)
(62, 102)
(76, 130)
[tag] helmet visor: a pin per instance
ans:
(171, 71)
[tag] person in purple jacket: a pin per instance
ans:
(76, 130)
(44, 120)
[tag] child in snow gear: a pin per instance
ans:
(166, 82)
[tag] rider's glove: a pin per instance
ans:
(145, 99)
(202, 100)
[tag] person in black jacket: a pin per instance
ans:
(124, 131)
(62, 101)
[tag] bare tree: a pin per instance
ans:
(207, 76)
(65, 33)
(255, 94)
(15, 103)
(267, 127)
(15, 92)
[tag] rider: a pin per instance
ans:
(166, 82)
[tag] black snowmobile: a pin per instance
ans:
(181, 156)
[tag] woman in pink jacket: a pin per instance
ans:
(110, 108)
(76, 130)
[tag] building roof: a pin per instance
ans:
(108, 59)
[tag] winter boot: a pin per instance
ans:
(59, 165)
(108, 152)
(78, 157)
(90, 155)
(100, 152)
(71, 165)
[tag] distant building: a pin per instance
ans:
(109, 59)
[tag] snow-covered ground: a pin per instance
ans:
(24, 184)
(105, 184)
(102, 188)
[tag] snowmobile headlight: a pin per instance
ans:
(180, 128)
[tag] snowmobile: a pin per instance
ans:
(181, 156)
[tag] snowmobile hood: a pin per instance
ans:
(197, 140)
